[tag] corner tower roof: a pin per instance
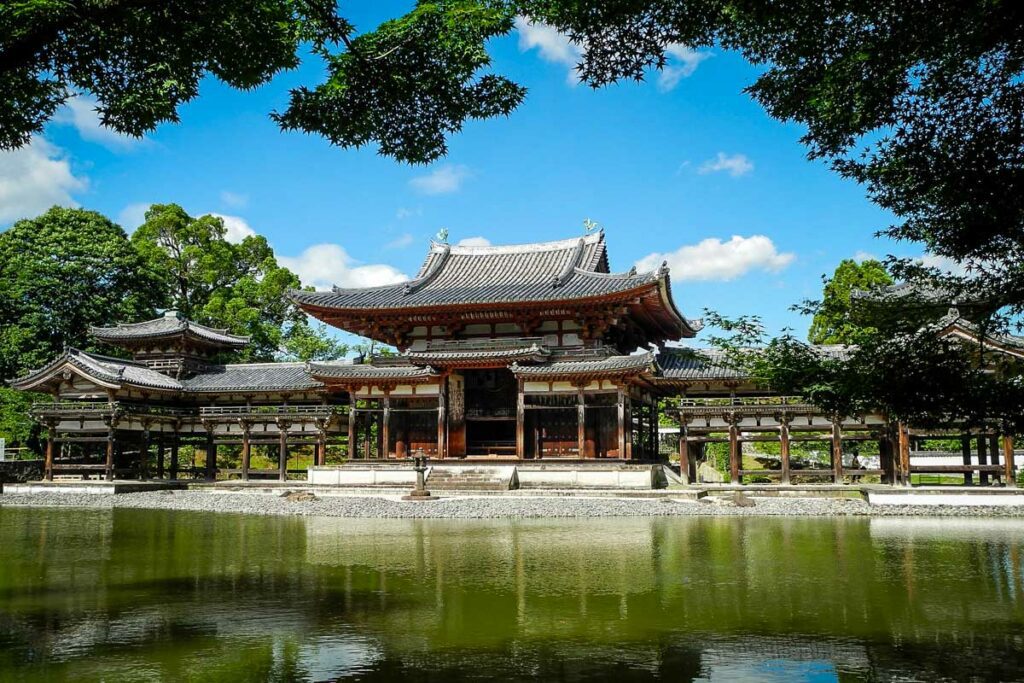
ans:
(169, 326)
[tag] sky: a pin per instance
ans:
(682, 168)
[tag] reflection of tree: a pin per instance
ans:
(202, 596)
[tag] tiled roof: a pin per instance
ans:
(364, 371)
(454, 275)
(609, 365)
(107, 370)
(253, 377)
(169, 325)
(953, 323)
(684, 364)
(448, 352)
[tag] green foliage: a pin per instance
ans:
(239, 286)
(411, 82)
(833, 322)
(15, 426)
(60, 273)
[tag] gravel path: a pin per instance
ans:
(489, 507)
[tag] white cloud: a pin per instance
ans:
(237, 228)
(133, 215)
(682, 62)
(80, 112)
(442, 180)
(713, 259)
(400, 242)
(861, 256)
(404, 213)
(944, 264)
(234, 199)
(34, 178)
(324, 265)
(735, 164)
(474, 242)
(552, 45)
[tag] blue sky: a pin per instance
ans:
(683, 167)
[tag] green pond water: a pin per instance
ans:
(131, 595)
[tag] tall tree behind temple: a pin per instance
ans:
(832, 323)
(60, 273)
(238, 286)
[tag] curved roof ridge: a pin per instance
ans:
(527, 247)
(571, 265)
(430, 271)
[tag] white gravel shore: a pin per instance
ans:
(487, 507)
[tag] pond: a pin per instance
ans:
(128, 595)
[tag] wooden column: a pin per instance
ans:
(620, 405)
(521, 421)
(321, 446)
(442, 417)
(982, 458)
(246, 449)
(685, 461)
(385, 426)
(211, 455)
(581, 422)
(903, 453)
(110, 454)
(160, 448)
(629, 425)
(144, 454)
(48, 466)
(282, 450)
(1009, 477)
(735, 454)
(352, 426)
(993, 452)
(837, 453)
(965, 448)
(174, 456)
(784, 449)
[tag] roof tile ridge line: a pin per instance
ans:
(600, 250)
(94, 328)
(432, 272)
(99, 357)
(193, 325)
(571, 266)
(65, 356)
(523, 247)
(651, 275)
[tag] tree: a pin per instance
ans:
(238, 286)
(833, 322)
(60, 273)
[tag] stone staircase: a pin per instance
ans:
(472, 478)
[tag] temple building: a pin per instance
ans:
(525, 353)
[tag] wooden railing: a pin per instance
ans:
(102, 408)
(271, 410)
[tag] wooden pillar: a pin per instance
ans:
(160, 448)
(993, 452)
(581, 422)
(837, 453)
(965, 449)
(620, 405)
(144, 454)
(282, 451)
(684, 452)
(784, 449)
(174, 456)
(51, 428)
(385, 427)
(442, 417)
(352, 426)
(982, 458)
(735, 454)
(903, 453)
(521, 421)
(1010, 476)
(211, 455)
(110, 455)
(246, 449)
(629, 425)
(321, 446)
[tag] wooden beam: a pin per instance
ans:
(993, 452)
(110, 455)
(903, 453)
(352, 426)
(965, 449)
(144, 454)
(385, 427)
(282, 451)
(48, 473)
(684, 454)
(246, 450)
(620, 405)
(160, 449)
(174, 457)
(211, 456)
(442, 418)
